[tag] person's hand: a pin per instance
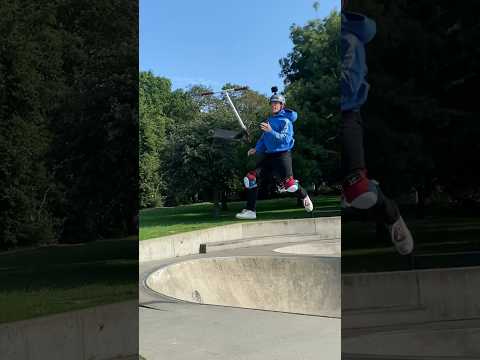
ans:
(252, 152)
(265, 127)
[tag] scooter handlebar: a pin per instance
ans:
(223, 91)
(235, 89)
(241, 88)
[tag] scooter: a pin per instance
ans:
(229, 134)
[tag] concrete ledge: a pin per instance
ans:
(100, 333)
(410, 297)
(189, 243)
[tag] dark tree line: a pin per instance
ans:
(69, 120)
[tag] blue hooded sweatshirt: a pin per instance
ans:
(357, 30)
(281, 136)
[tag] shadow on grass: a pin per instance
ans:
(443, 239)
(54, 279)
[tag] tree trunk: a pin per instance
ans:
(224, 201)
(216, 205)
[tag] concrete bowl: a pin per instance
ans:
(301, 285)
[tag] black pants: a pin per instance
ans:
(351, 134)
(353, 158)
(272, 168)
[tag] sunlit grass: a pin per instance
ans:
(168, 221)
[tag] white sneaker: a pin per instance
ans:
(307, 204)
(401, 237)
(246, 215)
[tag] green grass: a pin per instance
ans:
(443, 239)
(168, 221)
(48, 280)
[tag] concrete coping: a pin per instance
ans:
(189, 243)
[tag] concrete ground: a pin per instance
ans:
(411, 315)
(179, 330)
(442, 340)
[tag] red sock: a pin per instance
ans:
(355, 185)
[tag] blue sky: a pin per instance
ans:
(212, 42)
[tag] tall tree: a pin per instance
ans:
(97, 126)
(31, 82)
(311, 74)
(422, 71)
(155, 97)
(68, 139)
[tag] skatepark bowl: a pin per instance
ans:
(293, 284)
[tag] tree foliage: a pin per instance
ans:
(422, 126)
(312, 72)
(177, 149)
(68, 86)
(154, 98)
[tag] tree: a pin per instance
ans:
(155, 98)
(195, 163)
(311, 75)
(31, 82)
(96, 142)
(422, 70)
(68, 139)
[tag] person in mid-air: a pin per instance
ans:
(360, 192)
(275, 158)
